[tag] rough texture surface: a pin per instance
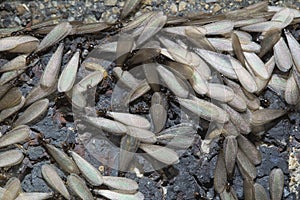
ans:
(192, 177)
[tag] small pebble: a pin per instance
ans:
(216, 8)
(110, 2)
(182, 6)
(173, 8)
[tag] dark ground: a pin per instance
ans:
(191, 178)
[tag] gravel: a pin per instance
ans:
(192, 177)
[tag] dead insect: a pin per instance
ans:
(276, 183)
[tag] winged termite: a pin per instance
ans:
(219, 28)
(220, 92)
(129, 6)
(197, 19)
(178, 137)
(199, 84)
(51, 71)
(10, 111)
(294, 49)
(62, 159)
(33, 112)
(253, 102)
(38, 93)
(118, 195)
(276, 183)
(172, 82)
(142, 135)
(6, 32)
(276, 9)
(201, 66)
(19, 134)
(110, 47)
(246, 22)
(228, 195)
(277, 84)
(248, 187)
(37, 25)
(142, 55)
(204, 109)
(197, 37)
(124, 46)
(88, 28)
(262, 26)
(37, 195)
(285, 16)
(2, 190)
(128, 147)
(130, 119)
(137, 22)
(11, 98)
(176, 51)
(17, 63)
(236, 118)
(249, 149)
(261, 84)
(219, 62)
(52, 178)
(239, 100)
(173, 20)
(296, 75)
(220, 175)
(107, 125)
(223, 44)
(158, 112)
(187, 58)
(185, 70)
(12, 189)
(256, 65)
(282, 55)
(178, 30)
(151, 75)
(19, 44)
(230, 147)
(121, 184)
(126, 78)
(248, 12)
(247, 169)
(292, 93)
(245, 78)
(95, 64)
(77, 97)
(57, 34)
(260, 192)
(154, 25)
(229, 129)
(243, 36)
(237, 48)
(90, 173)
(270, 38)
(89, 81)
(8, 76)
(183, 128)
(4, 88)
(78, 187)
(68, 75)
(264, 116)
(137, 92)
(11, 158)
(162, 154)
(152, 44)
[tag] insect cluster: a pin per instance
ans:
(213, 67)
